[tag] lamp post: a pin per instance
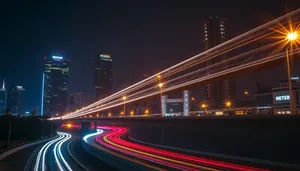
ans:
(290, 37)
(204, 107)
(160, 85)
(124, 99)
(228, 104)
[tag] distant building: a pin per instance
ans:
(3, 98)
(277, 100)
(102, 85)
(55, 85)
(216, 31)
(75, 101)
(15, 100)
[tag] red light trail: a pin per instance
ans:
(168, 158)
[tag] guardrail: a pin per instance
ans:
(15, 149)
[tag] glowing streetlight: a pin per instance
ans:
(109, 114)
(228, 104)
(124, 99)
(97, 115)
(146, 111)
(246, 92)
(69, 125)
(290, 37)
(193, 99)
(132, 113)
(160, 85)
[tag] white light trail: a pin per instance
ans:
(258, 49)
(85, 138)
(57, 152)
(42, 152)
(41, 157)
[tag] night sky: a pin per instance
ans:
(143, 37)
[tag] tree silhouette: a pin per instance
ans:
(33, 113)
(6, 112)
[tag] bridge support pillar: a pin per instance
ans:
(163, 105)
(85, 128)
(95, 126)
(186, 103)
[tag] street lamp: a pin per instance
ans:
(290, 37)
(146, 111)
(131, 113)
(228, 104)
(204, 107)
(124, 99)
(160, 85)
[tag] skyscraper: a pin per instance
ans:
(216, 31)
(15, 100)
(75, 101)
(102, 85)
(55, 85)
(3, 98)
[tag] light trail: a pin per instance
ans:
(57, 152)
(85, 138)
(171, 159)
(258, 49)
(40, 163)
(88, 137)
(183, 84)
(42, 152)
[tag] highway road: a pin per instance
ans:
(109, 140)
(63, 153)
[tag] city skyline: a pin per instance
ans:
(81, 65)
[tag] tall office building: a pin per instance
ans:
(216, 31)
(3, 98)
(75, 101)
(55, 83)
(102, 76)
(15, 100)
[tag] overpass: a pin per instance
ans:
(258, 48)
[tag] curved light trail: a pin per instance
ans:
(254, 48)
(58, 155)
(40, 163)
(176, 160)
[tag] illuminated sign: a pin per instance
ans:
(282, 97)
(104, 56)
(58, 57)
(294, 78)
(105, 59)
